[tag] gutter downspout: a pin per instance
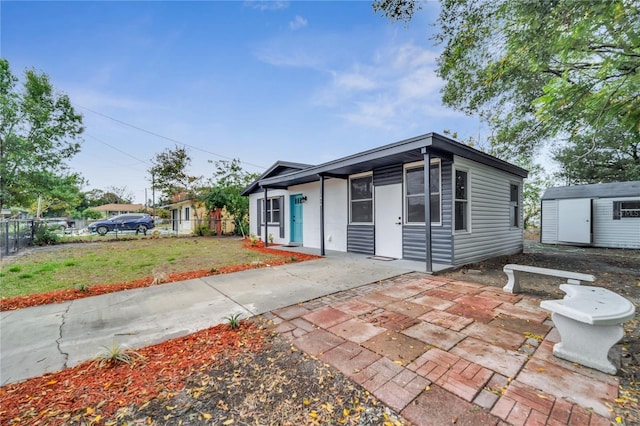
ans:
(322, 251)
(266, 221)
(427, 208)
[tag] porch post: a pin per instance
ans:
(427, 207)
(266, 220)
(322, 252)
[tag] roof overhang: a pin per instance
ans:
(405, 151)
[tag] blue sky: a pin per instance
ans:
(301, 81)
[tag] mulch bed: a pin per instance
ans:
(59, 296)
(90, 393)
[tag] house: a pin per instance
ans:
(184, 221)
(113, 209)
(599, 215)
(378, 201)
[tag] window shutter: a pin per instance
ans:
(259, 215)
(282, 217)
(616, 210)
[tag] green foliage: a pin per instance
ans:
(607, 161)
(233, 320)
(116, 354)
(228, 181)
(45, 236)
(37, 132)
(91, 214)
(544, 72)
(203, 231)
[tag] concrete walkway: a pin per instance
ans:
(43, 339)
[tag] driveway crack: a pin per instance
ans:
(229, 297)
(58, 340)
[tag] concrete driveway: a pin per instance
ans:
(43, 339)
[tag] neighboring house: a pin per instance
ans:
(183, 219)
(601, 215)
(377, 202)
(113, 209)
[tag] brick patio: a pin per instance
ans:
(420, 343)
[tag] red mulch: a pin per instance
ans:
(87, 393)
(59, 296)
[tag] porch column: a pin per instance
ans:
(266, 219)
(427, 207)
(322, 253)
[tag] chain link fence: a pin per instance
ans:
(15, 235)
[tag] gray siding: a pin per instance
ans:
(387, 175)
(361, 239)
(549, 224)
(490, 233)
(413, 237)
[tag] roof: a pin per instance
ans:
(597, 190)
(113, 207)
(278, 168)
(404, 151)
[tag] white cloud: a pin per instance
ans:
(398, 84)
(297, 23)
(267, 4)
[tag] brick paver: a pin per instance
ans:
(326, 317)
(448, 352)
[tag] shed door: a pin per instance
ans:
(574, 221)
(388, 220)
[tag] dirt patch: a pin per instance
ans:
(615, 269)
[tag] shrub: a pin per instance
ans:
(203, 231)
(233, 320)
(44, 236)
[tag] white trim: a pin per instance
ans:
(520, 186)
(373, 201)
(468, 171)
(414, 165)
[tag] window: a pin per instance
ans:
(187, 213)
(626, 209)
(461, 201)
(361, 199)
(273, 210)
(414, 193)
(514, 207)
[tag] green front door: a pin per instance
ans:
(296, 218)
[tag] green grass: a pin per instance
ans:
(117, 261)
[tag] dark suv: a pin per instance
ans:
(138, 222)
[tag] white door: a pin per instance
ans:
(388, 220)
(574, 221)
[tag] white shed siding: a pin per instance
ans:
(622, 233)
(490, 233)
(549, 222)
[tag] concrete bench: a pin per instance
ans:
(589, 320)
(514, 271)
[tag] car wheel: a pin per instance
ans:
(62, 228)
(142, 228)
(102, 230)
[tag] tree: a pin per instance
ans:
(38, 129)
(229, 179)
(169, 173)
(583, 162)
(62, 198)
(540, 71)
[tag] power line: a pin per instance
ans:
(164, 137)
(119, 150)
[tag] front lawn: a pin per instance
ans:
(79, 266)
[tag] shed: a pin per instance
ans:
(428, 198)
(599, 215)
